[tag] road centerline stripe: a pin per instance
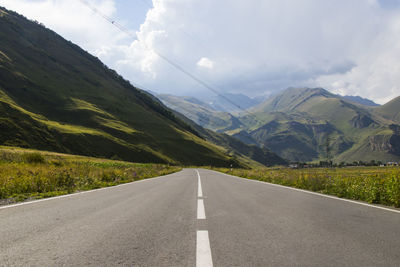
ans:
(201, 214)
(203, 250)
(200, 190)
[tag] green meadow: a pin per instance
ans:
(378, 185)
(30, 174)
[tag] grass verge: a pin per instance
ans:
(379, 185)
(29, 174)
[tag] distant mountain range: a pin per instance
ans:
(229, 102)
(55, 96)
(201, 113)
(309, 124)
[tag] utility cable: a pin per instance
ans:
(172, 63)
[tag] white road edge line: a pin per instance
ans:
(200, 190)
(203, 250)
(78, 193)
(201, 214)
(315, 193)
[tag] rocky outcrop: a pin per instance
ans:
(385, 143)
(395, 144)
(361, 121)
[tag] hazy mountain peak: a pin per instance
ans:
(291, 98)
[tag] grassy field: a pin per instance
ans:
(29, 174)
(379, 185)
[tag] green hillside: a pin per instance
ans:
(307, 124)
(55, 96)
(390, 110)
(290, 99)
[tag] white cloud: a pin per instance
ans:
(377, 74)
(256, 47)
(205, 62)
(259, 47)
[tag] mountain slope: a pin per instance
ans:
(201, 113)
(55, 96)
(305, 124)
(290, 99)
(390, 110)
(361, 100)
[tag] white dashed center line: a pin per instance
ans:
(201, 213)
(203, 249)
(200, 190)
(203, 254)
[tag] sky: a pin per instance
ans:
(255, 47)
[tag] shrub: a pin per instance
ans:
(33, 158)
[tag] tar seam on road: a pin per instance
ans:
(315, 193)
(76, 194)
(203, 249)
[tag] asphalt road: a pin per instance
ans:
(170, 221)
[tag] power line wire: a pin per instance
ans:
(109, 19)
(172, 63)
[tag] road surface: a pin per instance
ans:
(172, 221)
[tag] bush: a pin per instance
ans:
(33, 158)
